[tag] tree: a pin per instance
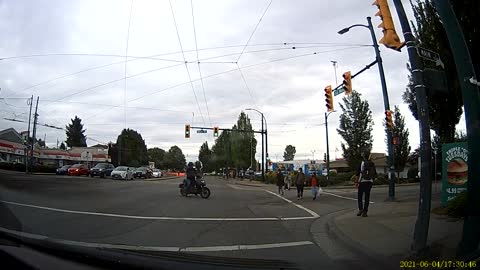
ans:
(62, 146)
(75, 133)
(243, 143)
(401, 150)
(156, 155)
(445, 109)
(355, 128)
(131, 149)
(289, 153)
(174, 159)
(222, 151)
(205, 157)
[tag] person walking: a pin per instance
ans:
(315, 185)
(280, 182)
(288, 179)
(300, 183)
(366, 173)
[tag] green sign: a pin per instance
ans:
(454, 170)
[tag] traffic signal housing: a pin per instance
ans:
(329, 98)
(390, 38)
(215, 132)
(187, 131)
(347, 82)
(388, 119)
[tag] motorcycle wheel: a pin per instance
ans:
(182, 192)
(205, 192)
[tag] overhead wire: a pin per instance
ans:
(186, 67)
(254, 30)
(246, 86)
(198, 63)
(125, 66)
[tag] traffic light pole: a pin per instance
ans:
(471, 100)
(328, 149)
(386, 104)
(34, 133)
(420, 235)
(27, 160)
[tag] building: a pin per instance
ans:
(380, 160)
(12, 149)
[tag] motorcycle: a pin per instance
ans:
(199, 188)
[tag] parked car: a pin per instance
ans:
(122, 172)
(63, 170)
(78, 170)
(102, 170)
(143, 172)
(157, 173)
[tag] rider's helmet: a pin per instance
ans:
(190, 164)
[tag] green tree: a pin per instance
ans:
(62, 146)
(76, 133)
(205, 157)
(221, 150)
(243, 143)
(131, 148)
(156, 155)
(175, 159)
(289, 153)
(445, 109)
(355, 128)
(402, 149)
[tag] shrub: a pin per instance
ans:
(381, 179)
(456, 207)
(333, 173)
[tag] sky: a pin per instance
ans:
(156, 65)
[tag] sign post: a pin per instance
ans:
(454, 170)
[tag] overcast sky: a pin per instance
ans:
(159, 93)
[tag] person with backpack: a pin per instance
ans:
(366, 174)
(280, 182)
(300, 182)
(191, 173)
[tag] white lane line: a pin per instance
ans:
(339, 196)
(314, 215)
(156, 248)
(156, 218)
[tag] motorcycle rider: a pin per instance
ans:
(191, 173)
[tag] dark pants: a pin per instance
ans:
(299, 190)
(364, 187)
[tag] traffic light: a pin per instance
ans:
(388, 119)
(215, 132)
(324, 157)
(347, 82)
(390, 38)
(187, 131)
(329, 98)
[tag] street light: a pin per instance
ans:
(386, 103)
(264, 150)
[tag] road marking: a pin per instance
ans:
(158, 218)
(343, 197)
(156, 248)
(314, 215)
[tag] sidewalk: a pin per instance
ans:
(387, 233)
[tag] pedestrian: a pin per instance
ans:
(300, 183)
(366, 173)
(288, 179)
(315, 185)
(280, 182)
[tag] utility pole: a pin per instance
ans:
(35, 118)
(471, 101)
(263, 154)
(420, 235)
(328, 149)
(27, 160)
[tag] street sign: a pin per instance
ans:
(201, 131)
(338, 91)
(430, 55)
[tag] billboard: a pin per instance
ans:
(454, 170)
(282, 166)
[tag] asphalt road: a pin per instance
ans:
(236, 221)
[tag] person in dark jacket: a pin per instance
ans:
(191, 173)
(280, 182)
(366, 173)
(300, 183)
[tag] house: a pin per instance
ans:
(12, 149)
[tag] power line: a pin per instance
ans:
(84, 54)
(255, 29)
(125, 67)
(198, 63)
(184, 59)
(246, 85)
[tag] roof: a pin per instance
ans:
(99, 146)
(11, 135)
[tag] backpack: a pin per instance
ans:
(369, 172)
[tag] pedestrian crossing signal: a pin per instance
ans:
(215, 131)
(329, 98)
(187, 131)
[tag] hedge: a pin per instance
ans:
(20, 167)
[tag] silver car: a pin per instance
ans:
(122, 172)
(157, 173)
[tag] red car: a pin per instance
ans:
(78, 170)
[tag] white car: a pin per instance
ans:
(157, 173)
(122, 172)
